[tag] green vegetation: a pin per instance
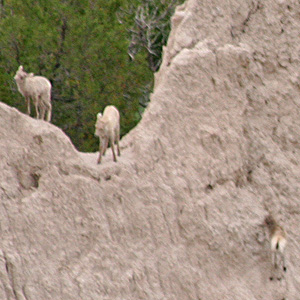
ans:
(84, 47)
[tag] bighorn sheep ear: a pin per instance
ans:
(99, 115)
(21, 68)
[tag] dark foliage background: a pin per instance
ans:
(94, 53)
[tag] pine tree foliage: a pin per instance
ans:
(82, 48)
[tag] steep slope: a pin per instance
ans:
(180, 215)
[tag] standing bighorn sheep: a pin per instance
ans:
(38, 88)
(108, 130)
(278, 242)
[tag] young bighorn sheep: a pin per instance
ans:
(38, 88)
(278, 242)
(108, 130)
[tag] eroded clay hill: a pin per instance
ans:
(180, 215)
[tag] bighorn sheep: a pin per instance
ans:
(108, 130)
(39, 89)
(278, 242)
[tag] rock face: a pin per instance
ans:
(180, 215)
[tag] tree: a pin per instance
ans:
(150, 29)
(82, 48)
(148, 23)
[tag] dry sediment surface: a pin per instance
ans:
(180, 215)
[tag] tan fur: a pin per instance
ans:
(38, 88)
(107, 128)
(278, 241)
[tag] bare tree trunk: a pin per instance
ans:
(60, 52)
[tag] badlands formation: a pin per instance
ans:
(180, 215)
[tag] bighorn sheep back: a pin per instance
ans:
(107, 128)
(38, 88)
(278, 241)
